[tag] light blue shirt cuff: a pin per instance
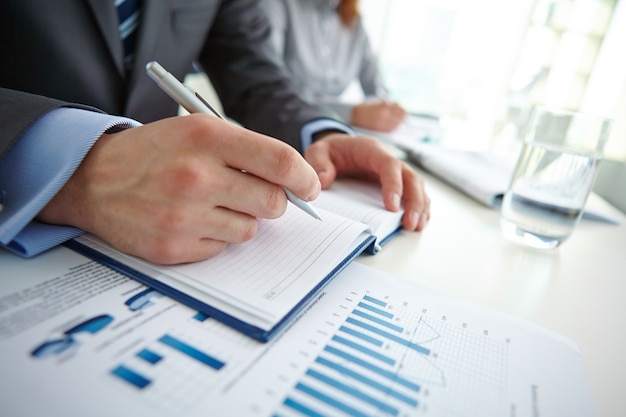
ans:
(319, 125)
(37, 166)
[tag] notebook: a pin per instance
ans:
(258, 286)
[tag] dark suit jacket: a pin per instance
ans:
(69, 51)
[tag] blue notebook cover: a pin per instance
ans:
(192, 302)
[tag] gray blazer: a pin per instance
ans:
(69, 51)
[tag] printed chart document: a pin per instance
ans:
(258, 286)
(78, 338)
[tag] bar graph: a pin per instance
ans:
(191, 352)
(173, 372)
(130, 376)
(384, 359)
(149, 356)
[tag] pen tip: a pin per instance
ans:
(314, 213)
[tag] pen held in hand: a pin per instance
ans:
(193, 103)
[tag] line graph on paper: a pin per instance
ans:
(387, 358)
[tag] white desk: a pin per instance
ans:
(577, 290)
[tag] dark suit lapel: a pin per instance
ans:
(153, 22)
(105, 14)
(154, 16)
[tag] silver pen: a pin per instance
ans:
(193, 103)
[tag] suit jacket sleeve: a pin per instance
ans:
(248, 76)
(18, 111)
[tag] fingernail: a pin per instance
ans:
(396, 200)
(415, 218)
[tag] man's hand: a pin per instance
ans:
(180, 189)
(381, 116)
(338, 154)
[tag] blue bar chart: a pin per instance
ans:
(191, 352)
(358, 371)
(387, 360)
(131, 377)
(172, 372)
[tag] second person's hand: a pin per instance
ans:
(337, 154)
(382, 116)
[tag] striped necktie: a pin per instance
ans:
(128, 12)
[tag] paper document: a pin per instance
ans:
(376, 345)
(485, 177)
(77, 339)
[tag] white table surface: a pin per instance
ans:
(577, 290)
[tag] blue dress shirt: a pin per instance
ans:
(37, 166)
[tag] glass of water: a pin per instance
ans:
(553, 177)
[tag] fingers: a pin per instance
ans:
(319, 158)
(415, 201)
(392, 116)
(382, 116)
(168, 251)
(189, 232)
(164, 248)
(389, 172)
(396, 110)
(401, 186)
(245, 193)
(271, 160)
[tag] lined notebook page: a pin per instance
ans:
(286, 259)
(267, 275)
(360, 201)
